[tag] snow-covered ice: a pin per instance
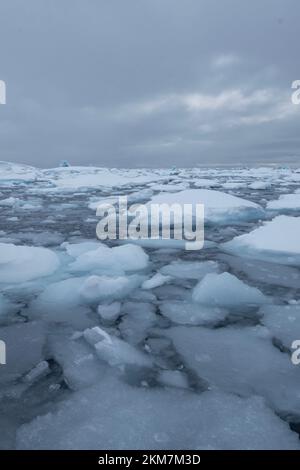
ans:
(276, 240)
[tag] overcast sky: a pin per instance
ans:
(149, 82)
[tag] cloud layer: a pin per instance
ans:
(149, 83)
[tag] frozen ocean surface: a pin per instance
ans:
(144, 345)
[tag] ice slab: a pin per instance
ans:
(226, 290)
(189, 269)
(285, 202)
(242, 361)
(191, 313)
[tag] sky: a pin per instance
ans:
(149, 83)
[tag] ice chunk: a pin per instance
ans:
(37, 372)
(276, 241)
(173, 378)
(226, 290)
(206, 183)
(109, 312)
(24, 263)
(260, 185)
(115, 351)
(77, 249)
(137, 318)
(24, 349)
(156, 419)
(157, 280)
(285, 202)
(60, 302)
(118, 259)
(189, 313)
(189, 269)
(283, 321)
(96, 288)
(81, 368)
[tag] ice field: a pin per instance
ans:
(145, 345)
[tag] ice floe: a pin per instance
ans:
(277, 240)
